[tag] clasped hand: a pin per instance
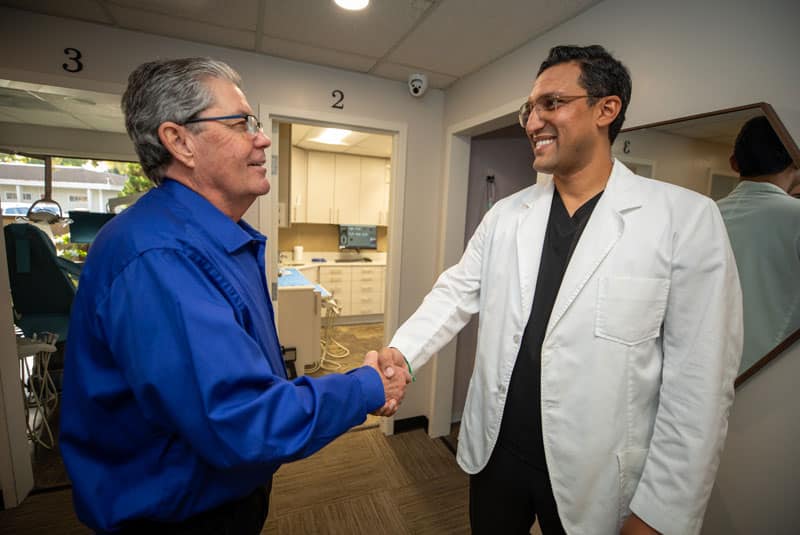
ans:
(391, 366)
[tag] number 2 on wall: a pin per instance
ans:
(338, 94)
(77, 66)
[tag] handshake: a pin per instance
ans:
(392, 367)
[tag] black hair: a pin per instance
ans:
(758, 149)
(601, 75)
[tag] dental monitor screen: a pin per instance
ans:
(358, 237)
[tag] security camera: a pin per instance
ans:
(417, 84)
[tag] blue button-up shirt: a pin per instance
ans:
(175, 395)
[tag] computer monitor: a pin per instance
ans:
(85, 225)
(358, 237)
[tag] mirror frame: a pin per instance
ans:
(794, 152)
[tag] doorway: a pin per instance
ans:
(334, 189)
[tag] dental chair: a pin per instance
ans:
(42, 284)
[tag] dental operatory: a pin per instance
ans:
(399, 267)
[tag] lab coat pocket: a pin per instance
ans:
(630, 309)
(631, 465)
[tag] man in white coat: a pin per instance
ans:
(610, 329)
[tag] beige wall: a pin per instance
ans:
(677, 159)
(315, 237)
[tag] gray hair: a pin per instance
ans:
(167, 90)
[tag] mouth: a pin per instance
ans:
(540, 143)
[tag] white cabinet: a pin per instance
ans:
(299, 320)
(298, 186)
(358, 290)
(337, 281)
(373, 186)
(367, 290)
(347, 189)
(339, 189)
(321, 174)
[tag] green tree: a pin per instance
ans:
(137, 181)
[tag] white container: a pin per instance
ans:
(297, 253)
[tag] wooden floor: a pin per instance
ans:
(362, 483)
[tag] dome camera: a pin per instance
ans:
(417, 84)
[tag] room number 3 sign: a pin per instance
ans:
(73, 63)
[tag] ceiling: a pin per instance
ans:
(360, 143)
(444, 39)
(720, 128)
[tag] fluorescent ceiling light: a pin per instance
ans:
(352, 5)
(332, 136)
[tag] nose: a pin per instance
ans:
(534, 123)
(262, 140)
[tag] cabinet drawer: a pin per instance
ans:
(338, 289)
(368, 274)
(367, 287)
(334, 275)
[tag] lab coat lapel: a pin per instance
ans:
(603, 230)
(531, 225)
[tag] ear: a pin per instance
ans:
(607, 110)
(178, 141)
(734, 164)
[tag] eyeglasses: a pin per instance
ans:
(252, 124)
(546, 103)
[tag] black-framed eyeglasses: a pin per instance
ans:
(545, 103)
(251, 122)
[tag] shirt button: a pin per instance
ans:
(502, 389)
(516, 338)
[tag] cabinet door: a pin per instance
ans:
(347, 187)
(321, 171)
(373, 173)
(298, 186)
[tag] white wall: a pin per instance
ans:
(32, 52)
(685, 57)
(758, 483)
(677, 159)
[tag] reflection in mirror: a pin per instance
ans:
(762, 217)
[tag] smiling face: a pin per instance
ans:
(229, 163)
(567, 139)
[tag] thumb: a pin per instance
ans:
(371, 358)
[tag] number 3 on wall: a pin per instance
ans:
(74, 55)
(339, 95)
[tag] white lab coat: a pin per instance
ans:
(638, 360)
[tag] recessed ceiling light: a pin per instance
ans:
(332, 136)
(352, 5)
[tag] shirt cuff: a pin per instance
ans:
(371, 387)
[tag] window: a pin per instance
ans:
(11, 195)
(27, 197)
(78, 198)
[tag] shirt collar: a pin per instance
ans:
(764, 187)
(232, 235)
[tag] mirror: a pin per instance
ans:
(694, 152)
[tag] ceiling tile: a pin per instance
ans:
(88, 10)
(484, 31)
(318, 55)
(238, 14)
(393, 71)
(371, 32)
(179, 28)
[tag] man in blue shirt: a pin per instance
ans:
(176, 408)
